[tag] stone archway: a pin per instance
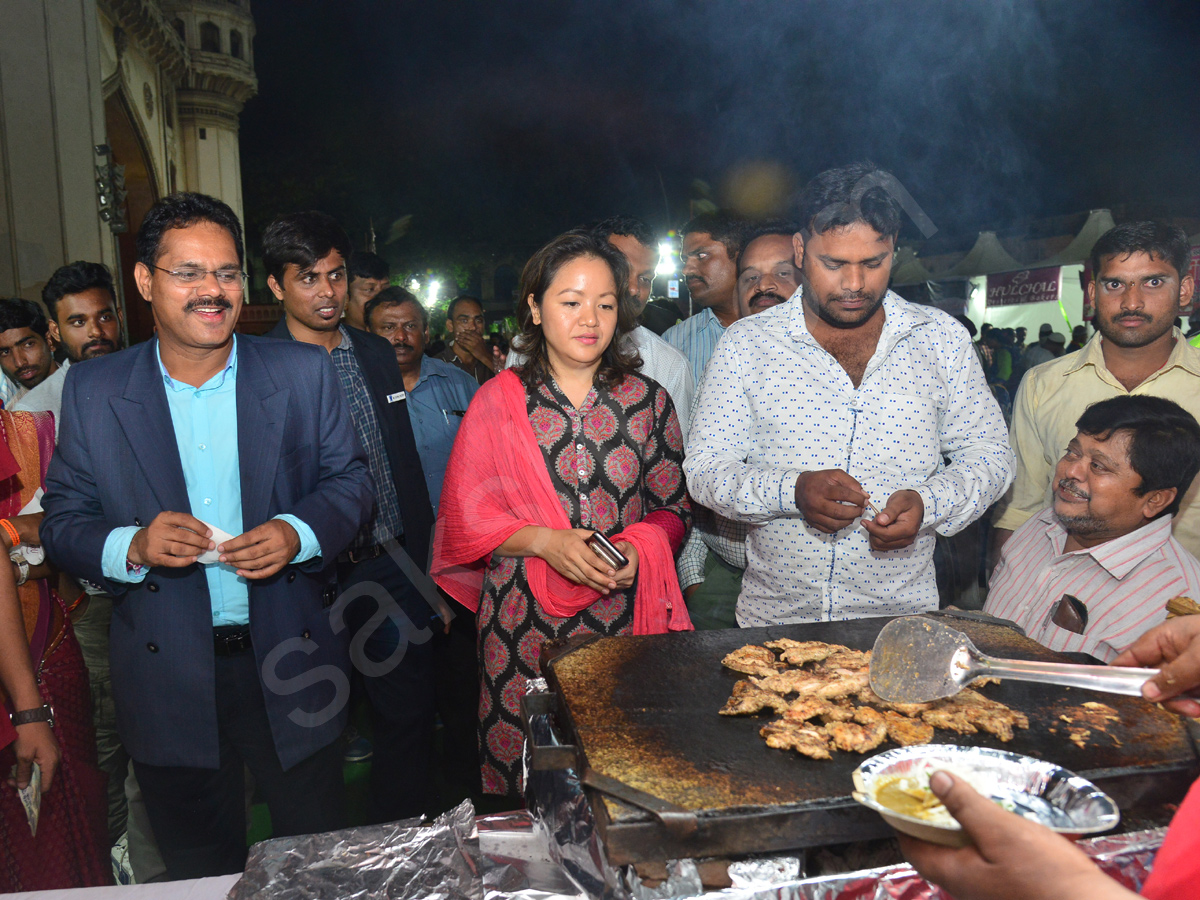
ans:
(129, 150)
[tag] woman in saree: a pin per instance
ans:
(574, 442)
(41, 666)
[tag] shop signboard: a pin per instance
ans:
(1025, 286)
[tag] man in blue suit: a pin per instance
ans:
(223, 654)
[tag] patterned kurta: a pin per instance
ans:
(612, 461)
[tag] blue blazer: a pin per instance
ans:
(117, 463)
(377, 362)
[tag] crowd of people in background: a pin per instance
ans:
(223, 544)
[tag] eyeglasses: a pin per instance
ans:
(231, 279)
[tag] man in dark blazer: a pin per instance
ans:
(390, 621)
(216, 664)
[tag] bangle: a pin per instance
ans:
(12, 532)
(22, 571)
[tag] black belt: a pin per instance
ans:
(373, 552)
(229, 640)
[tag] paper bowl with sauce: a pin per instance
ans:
(896, 785)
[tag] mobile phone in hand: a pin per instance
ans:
(607, 551)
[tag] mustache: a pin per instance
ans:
(1132, 314)
(1070, 486)
(101, 342)
(767, 295)
(208, 302)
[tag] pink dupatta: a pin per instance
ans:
(496, 484)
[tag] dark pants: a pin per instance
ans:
(456, 664)
(713, 605)
(391, 645)
(91, 630)
(199, 815)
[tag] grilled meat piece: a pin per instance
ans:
(856, 738)
(844, 658)
(792, 681)
(838, 712)
(748, 699)
(797, 653)
(907, 731)
(808, 740)
(752, 660)
(866, 695)
(949, 717)
(990, 715)
(806, 708)
(864, 715)
(843, 685)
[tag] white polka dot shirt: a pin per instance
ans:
(773, 404)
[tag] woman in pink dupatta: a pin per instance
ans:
(40, 663)
(574, 442)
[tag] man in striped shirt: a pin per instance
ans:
(1095, 571)
(711, 244)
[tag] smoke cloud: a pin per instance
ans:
(500, 124)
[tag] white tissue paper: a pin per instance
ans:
(209, 557)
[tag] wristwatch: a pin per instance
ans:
(41, 713)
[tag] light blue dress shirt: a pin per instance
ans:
(435, 407)
(697, 337)
(206, 432)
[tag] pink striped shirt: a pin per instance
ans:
(1125, 584)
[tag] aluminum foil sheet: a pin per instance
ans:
(1127, 858)
(562, 816)
(766, 871)
(508, 841)
(396, 861)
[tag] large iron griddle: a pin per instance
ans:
(669, 777)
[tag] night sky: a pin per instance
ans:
(497, 125)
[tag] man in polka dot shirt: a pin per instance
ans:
(815, 413)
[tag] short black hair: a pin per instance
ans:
(182, 210)
(1168, 242)
(624, 225)
(840, 197)
(302, 240)
(394, 296)
(754, 230)
(365, 264)
(725, 227)
(1164, 440)
(20, 313)
(462, 298)
(75, 278)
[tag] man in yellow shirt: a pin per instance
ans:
(1140, 285)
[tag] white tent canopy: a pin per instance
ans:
(907, 269)
(1098, 222)
(986, 257)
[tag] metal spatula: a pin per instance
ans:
(916, 660)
